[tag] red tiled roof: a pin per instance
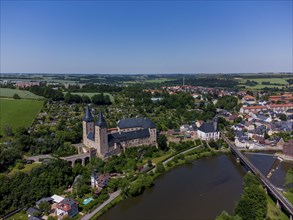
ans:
(255, 107)
(281, 105)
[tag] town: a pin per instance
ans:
(111, 145)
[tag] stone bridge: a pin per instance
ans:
(83, 158)
(40, 157)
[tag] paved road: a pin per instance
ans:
(280, 197)
(112, 197)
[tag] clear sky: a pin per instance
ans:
(146, 36)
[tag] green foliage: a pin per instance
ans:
(101, 99)
(23, 190)
(251, 180)
(283, 117)
(160, 168)
(138, 186)
(8, 131)
(289, 179)
(16, 96)
(45, 207)
(162, 142)
(72, 98)
(227, 102)
(47, 92)
(253, 203)
(225, 216)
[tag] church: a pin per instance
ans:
(209, 130)
(130, 132)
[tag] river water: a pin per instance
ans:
(201, 190)
(196, 191)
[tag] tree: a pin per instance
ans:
(16, 96)
(162, 142)
(85, 99)
(45, 207)
(160, 168)
(8, 131)
(253, 202)
(225, 216)
(150, 164)
(289, 179)
(250, 180)
(283, 117)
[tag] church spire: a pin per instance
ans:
(88, 116)
(101, 121)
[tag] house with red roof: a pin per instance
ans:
(66, 208)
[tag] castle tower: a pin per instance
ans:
(87, 125)
(101, 135)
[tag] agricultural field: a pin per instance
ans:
(18, 112)
(90, 94)
(260, 80)
(8, 93)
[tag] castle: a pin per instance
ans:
(130, 132)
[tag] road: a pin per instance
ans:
(280, 197)
(112, 197)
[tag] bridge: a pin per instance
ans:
(281, 199)
(81, 157)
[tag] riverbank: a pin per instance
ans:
(184, 157)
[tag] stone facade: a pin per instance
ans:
(131, 132)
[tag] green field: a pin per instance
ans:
(260, 80)
(18, 112)
(8, 93)
(27, 168)
(90, 94)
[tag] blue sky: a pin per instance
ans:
(146, 36)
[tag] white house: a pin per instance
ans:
(209, 130)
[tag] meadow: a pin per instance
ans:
(8, 93)
(18, 112)
(260, 80)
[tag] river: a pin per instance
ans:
(264, 161)
(201, 190)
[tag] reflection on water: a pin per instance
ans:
(198, 191)
(265, 162)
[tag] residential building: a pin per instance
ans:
(253, 109)
(66, 208)
(99, 180)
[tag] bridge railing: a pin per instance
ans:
(280, 197)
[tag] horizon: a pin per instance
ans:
(131, 37)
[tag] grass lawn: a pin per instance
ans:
(260, 80)
(19, 215)
(8, 93)
(159, 80)
(27, 168)
(90, 94)
(274, 212)
(18, 112)
(161, 158)
(289, 196)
